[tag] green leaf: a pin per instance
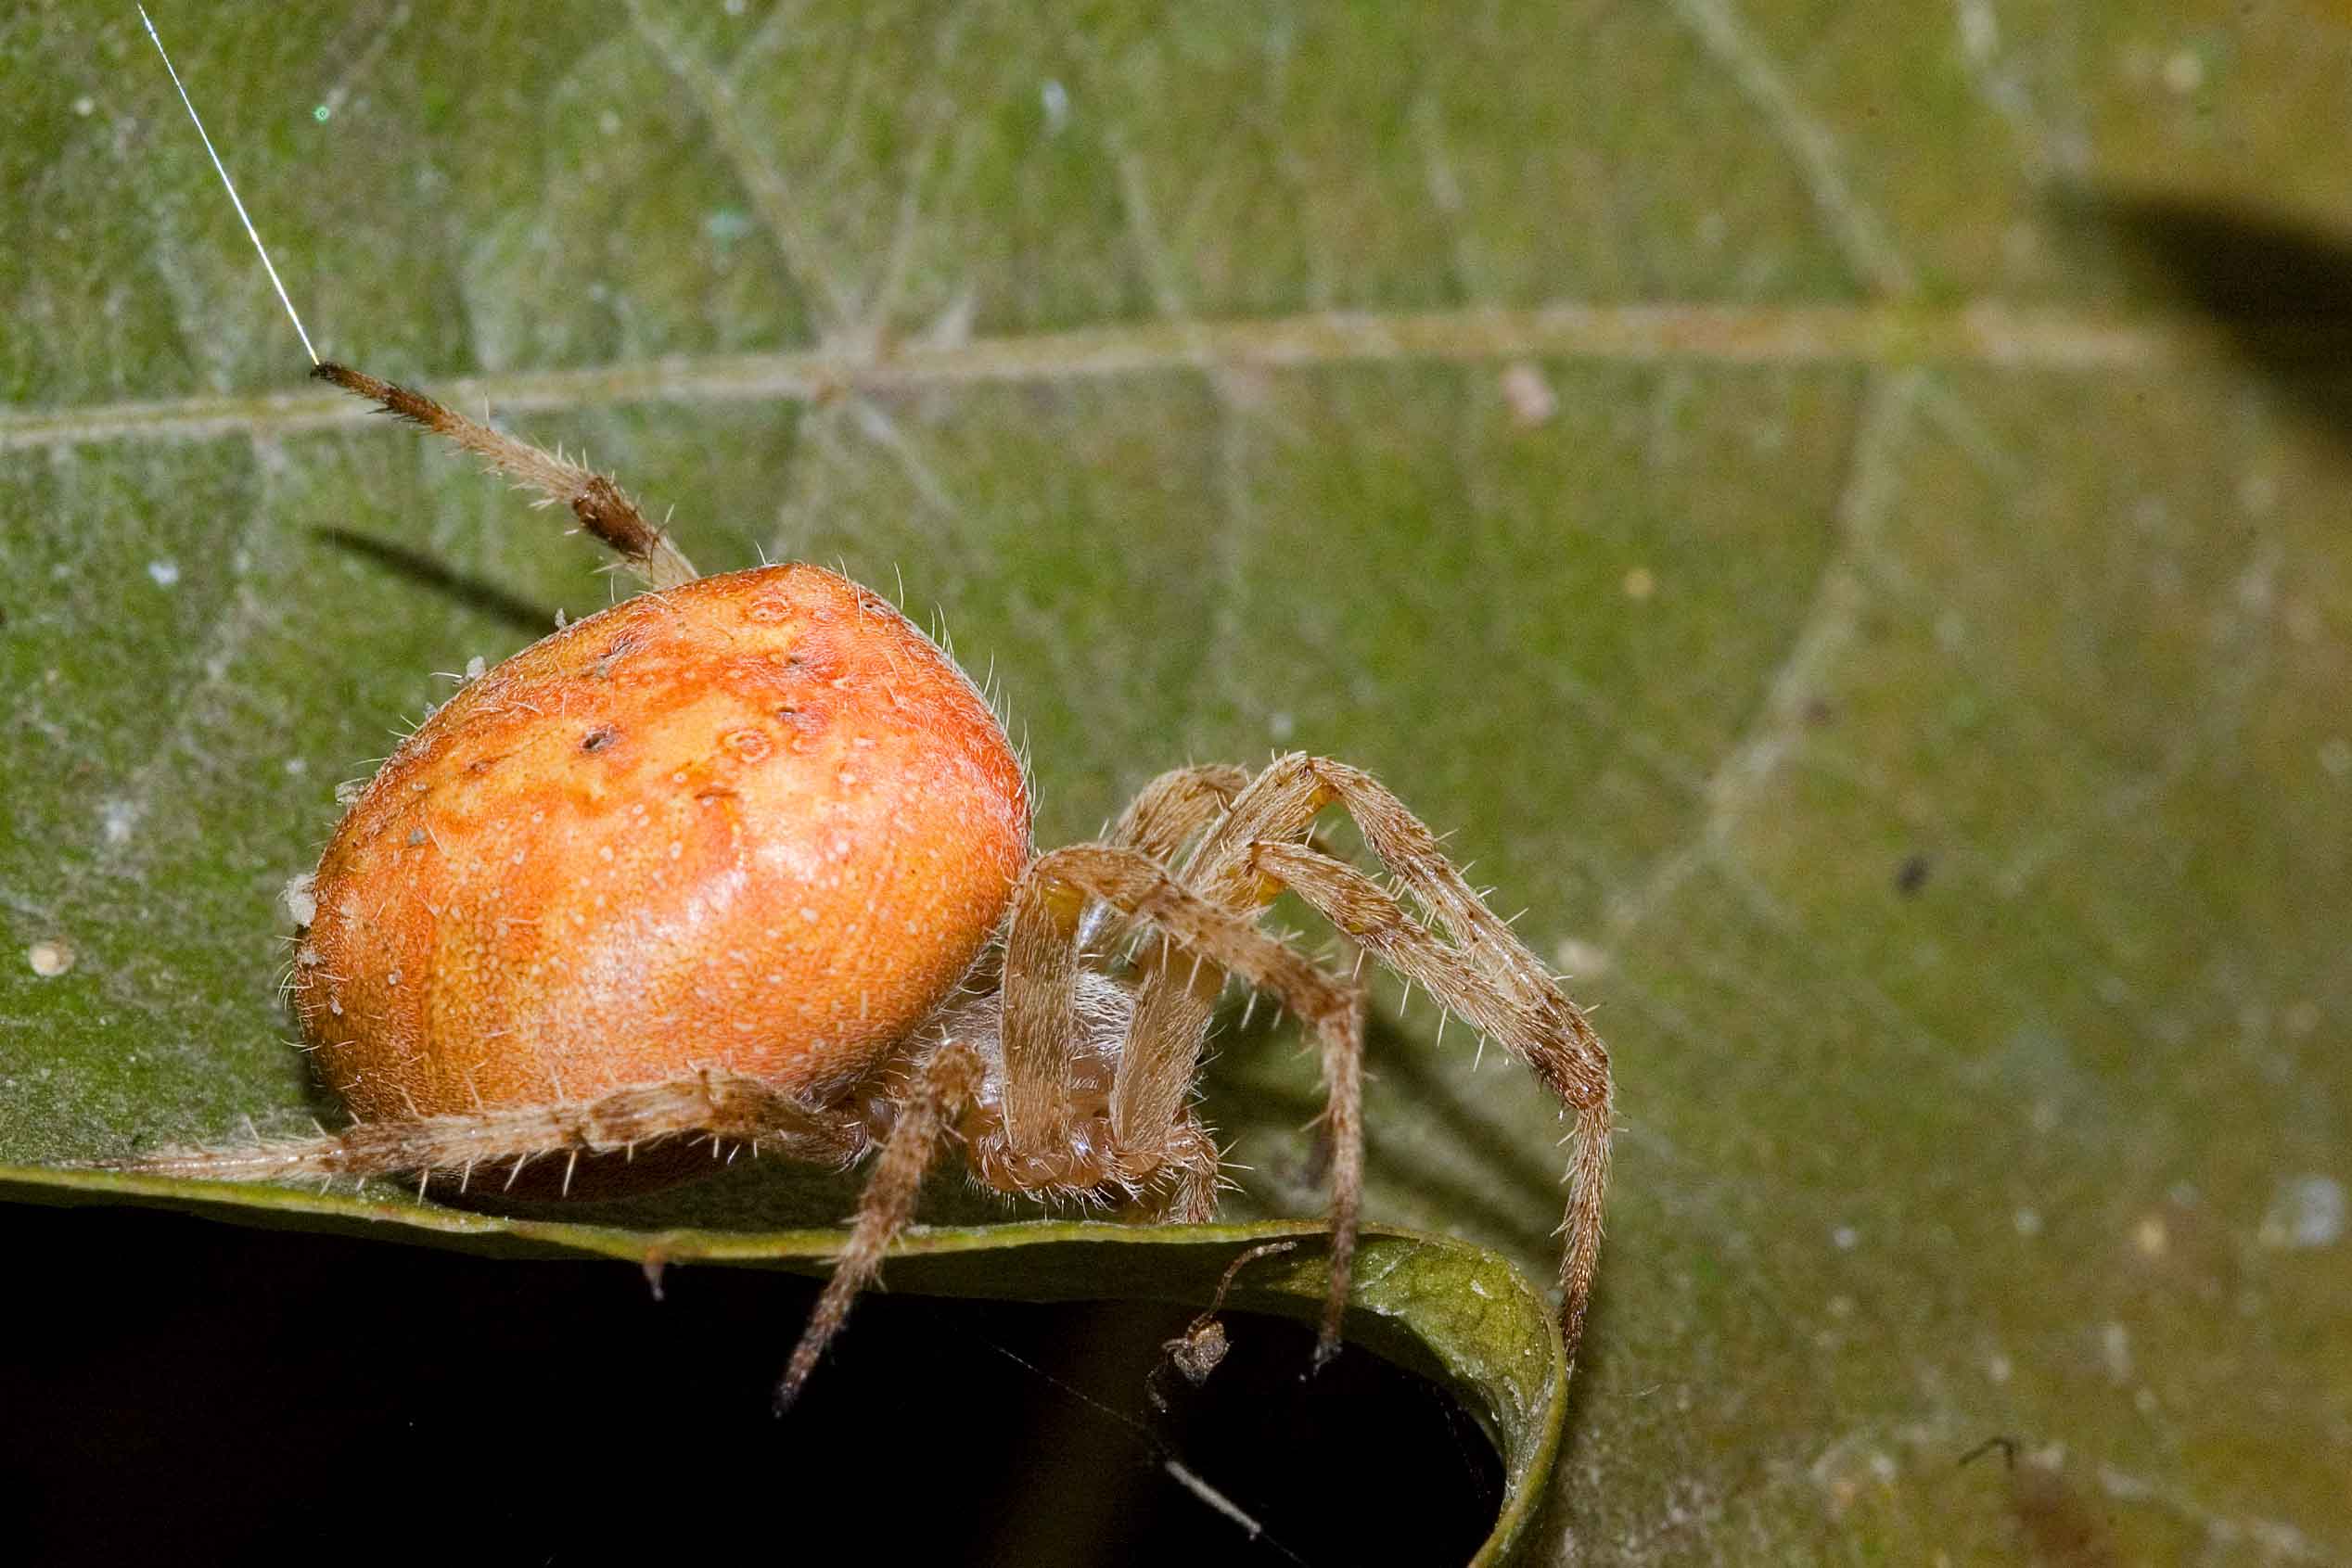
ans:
(1892, 644)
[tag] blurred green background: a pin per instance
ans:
(1840, 508)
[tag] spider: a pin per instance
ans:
(747, 859)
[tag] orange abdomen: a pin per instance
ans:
(757, 822)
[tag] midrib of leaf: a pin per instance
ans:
(1986, 332)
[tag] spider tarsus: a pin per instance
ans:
(395, 400)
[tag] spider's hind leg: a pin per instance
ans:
(593, 499)
(726, 1107)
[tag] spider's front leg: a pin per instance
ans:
(1042, 1031)
(1477, 968)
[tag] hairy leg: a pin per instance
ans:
(1542, 1036)
(1041, 1025)
(602, 509)
(1476, 968)
(943, 1084)
(1176, 807)
(724, 1106)
(1175, 992)
(1039, 995)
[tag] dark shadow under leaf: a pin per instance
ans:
(1449, 1313)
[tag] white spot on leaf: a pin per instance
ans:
(119, 818)
(2310, 1211)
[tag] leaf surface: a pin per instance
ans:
(1864, 600)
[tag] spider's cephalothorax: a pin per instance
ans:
(746, 859)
